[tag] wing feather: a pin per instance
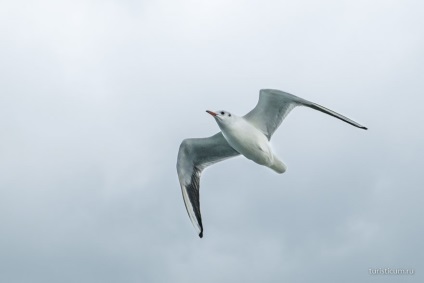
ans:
(274, 105)
(194, 156)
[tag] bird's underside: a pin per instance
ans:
(196, 154)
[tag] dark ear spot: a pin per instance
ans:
(229, 114)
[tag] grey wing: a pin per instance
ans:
(195, 155)
(274, 105)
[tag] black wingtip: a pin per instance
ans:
(365, 128)
(201, 234)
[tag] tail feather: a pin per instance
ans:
(278, 166)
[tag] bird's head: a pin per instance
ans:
(222, 117)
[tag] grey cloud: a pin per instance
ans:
(96, 97)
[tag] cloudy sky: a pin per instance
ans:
(96, 96)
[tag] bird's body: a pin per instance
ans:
(247, 140)
(248, 135)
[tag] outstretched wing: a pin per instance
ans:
(194, 156)
(274, 105)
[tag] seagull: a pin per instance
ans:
(248, 135)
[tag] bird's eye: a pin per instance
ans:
(229, 115)
(222, 113)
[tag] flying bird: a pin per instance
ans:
(248, 135)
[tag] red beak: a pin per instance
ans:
(212, 113)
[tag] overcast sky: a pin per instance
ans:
(96, 96)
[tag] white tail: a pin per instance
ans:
(278, 166)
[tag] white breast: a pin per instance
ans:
(248, 140)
